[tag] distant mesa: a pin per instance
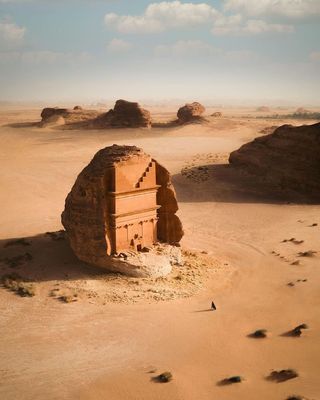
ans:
(125, 114)
(190, 112)
(217, 114)
(288, 159)
(263, 109)
(121, 214)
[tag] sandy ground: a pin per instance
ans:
(106, 346)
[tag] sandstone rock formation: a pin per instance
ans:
(120, 204)
(289, 159)
(125, 114)
(75, 116)
(190, 112)
(217, 114)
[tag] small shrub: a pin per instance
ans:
(164, 377)
(259, 334)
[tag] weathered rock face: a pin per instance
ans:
(289, 158)
(100, 201)
(126, 114)
(190, 112)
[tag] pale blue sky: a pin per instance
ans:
(222, 51)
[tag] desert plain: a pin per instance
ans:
(118, 333)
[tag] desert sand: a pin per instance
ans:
(121, 332)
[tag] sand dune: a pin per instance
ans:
(105, 346)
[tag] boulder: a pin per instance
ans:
(217, 114)
(125, 114)
(288, 159)
(77, 108)
(94, 215)
(190, 112)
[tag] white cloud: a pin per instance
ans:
(118, 46)
(183, 48)
(11, 33)
(161, 16)
(286, 8)
(42, 57)
(315, 56)
(234, 25)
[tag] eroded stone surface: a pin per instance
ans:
(50, 116)
(288, 158)
(125, 114)
(190, 111)
(122, 201)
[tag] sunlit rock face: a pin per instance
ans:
(120, 206)
(289, 159)
(190, 112)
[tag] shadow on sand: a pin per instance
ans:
(44, 257)
(224, 183)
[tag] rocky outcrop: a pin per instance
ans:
(289, 159)
(88, 214)
(125, 114)
(75, 116)
(217, 114)
(190, 112)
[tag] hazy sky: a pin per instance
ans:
(223, 50)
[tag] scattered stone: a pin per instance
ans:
(314, 224)
(231, 380)
(308, 253)
(77, 108)
(296, 398)
(297, 262)
(68, 298)
(15, 283)
(290, 284)
(190, 112)
(283, 375)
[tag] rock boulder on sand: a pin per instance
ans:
(122, 200)
(289, 158)
(217, 114)
(125, 114)
(190, 112)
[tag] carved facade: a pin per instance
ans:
(132, 203)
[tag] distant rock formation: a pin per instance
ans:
(217, 114)
(301, 110)
(121, 204)
(76, 116)
(289, 158)
(190, 112)
(125, 114)
(263, 109)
